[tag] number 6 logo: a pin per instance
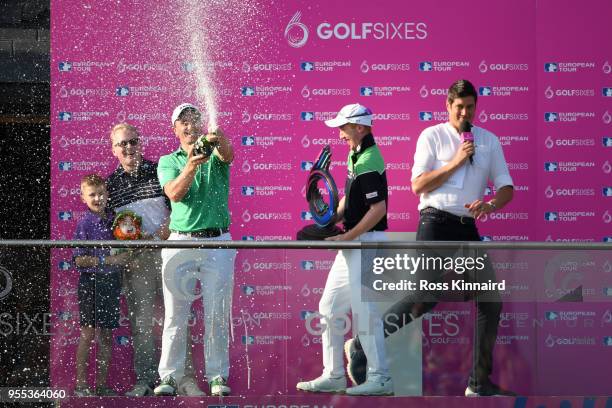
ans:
(296, 33)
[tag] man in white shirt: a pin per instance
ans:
(450, 175)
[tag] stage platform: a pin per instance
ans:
(340, 401)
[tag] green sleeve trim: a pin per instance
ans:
(369, 161)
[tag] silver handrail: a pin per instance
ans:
(18, 243)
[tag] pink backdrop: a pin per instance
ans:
(554, 127)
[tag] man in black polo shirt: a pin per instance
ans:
(364, 211)
(134, 186)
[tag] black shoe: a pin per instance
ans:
(488, 390)
(357, 366)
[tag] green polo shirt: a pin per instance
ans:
(205, 204)
(366, 184)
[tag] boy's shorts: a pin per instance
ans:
(99, 299)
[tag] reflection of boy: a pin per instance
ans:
(99, 286)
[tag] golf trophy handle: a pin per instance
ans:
(323, 213)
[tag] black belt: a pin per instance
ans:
(448, 216)
(205, 233)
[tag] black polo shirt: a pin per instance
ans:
(126, 188)
(366, 184)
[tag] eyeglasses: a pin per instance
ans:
(131, 142)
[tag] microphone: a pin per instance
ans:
(466, 136)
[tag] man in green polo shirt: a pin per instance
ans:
(198, 188)
(364, 212)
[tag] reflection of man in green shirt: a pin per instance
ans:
(198, 188)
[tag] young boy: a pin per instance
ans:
(99, 286)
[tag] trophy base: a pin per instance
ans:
(316, 233)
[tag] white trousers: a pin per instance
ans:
(181, 269)
(342, 294)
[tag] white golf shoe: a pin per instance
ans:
(323, 384)
(376, 386)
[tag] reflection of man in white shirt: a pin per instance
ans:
(450, 176)
(451, 189)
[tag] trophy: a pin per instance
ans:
(323, 213)
(127, 226)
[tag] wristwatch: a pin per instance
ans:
(493, 206)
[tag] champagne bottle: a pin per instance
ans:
(203, 147)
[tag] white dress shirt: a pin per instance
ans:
(437, 145)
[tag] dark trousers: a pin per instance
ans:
(437, 227)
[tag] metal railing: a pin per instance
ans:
(599, 246)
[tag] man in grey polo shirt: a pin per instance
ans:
(134, 186)
(198, 188)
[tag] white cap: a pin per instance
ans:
(354, 113)
(179, 109)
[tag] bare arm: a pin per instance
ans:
(163, 232)
(502, 197)
(375, 213)
(224, 150)
(88, 261)
(340, 214)
(431, 180)
(177, 188)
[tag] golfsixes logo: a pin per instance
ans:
(297, 33)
